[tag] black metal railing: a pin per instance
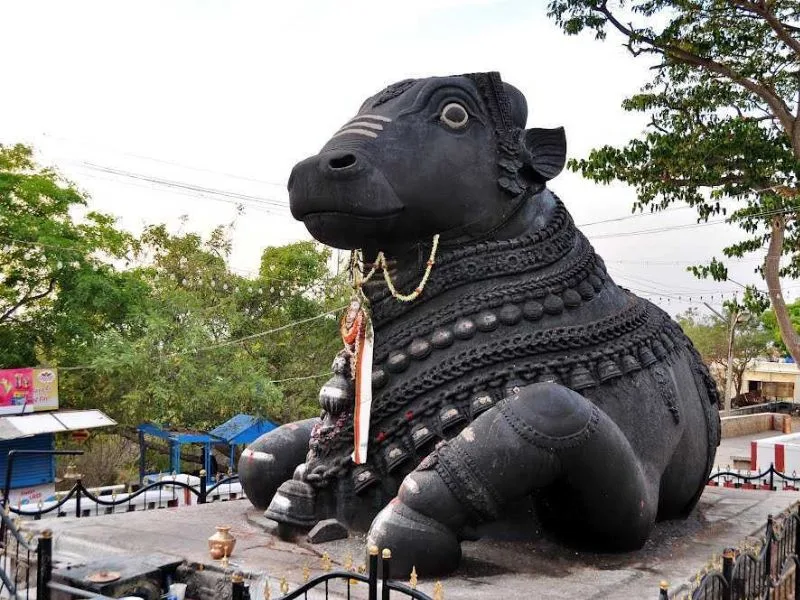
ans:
(26, 565)
(19, 573)
(765, 570)
(107, 504)
(766, 480)
(377, 578)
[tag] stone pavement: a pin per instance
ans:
(538, 567)
(739, 446)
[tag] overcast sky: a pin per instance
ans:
(229, 95)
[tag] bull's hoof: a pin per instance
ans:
(293, 504)
(416, 541)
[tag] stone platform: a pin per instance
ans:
(538, 567)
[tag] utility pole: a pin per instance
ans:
(736, 317)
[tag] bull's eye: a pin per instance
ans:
(454, 116)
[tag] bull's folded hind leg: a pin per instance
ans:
(272, 458)
(546, 437)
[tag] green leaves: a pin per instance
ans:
(158, 341)
(179, 363)
(56, 291)
(724, 108)
(711, 336)
(770, 322)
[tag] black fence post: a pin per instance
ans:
(44, 565)
(664, 588)
(78, 489)
(728, 557)
(201, 499)
(771, 477)
(796, 518)
(373, 573)
(386, 558)
(768, 538)
(237, 586)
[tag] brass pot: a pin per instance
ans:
(222, 542)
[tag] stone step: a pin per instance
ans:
(70, 549)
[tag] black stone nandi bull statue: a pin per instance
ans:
(520, 372)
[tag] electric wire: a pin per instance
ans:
(233, 342)
(163, 161)
(241, 197)
(187, 194)
(690, 225)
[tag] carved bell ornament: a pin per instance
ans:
(607, 369)
(646, 356)
(581, 378)
(630, 364)
(667, 341)
(481, 402)
(450, 416)
(547, 376)
(363, 477)
(395, 455)
(421, 434)
(337, 394)
(658, 349)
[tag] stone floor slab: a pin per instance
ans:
(537, 567)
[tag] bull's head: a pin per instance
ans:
(447, 155)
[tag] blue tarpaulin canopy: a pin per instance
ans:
(241, 429)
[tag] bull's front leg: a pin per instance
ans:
(545, 436)
(271, 459)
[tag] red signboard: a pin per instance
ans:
(28, 390)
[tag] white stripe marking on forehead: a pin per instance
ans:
(376, 126)
(374, 117)
(364, 132)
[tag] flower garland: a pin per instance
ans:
(358, 338)
(380, 263)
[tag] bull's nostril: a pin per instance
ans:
(344, 161)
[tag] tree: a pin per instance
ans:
(710, 335)
(57, 288)
(770, 323)
(157, 327)
(724, 107)
(212, 343)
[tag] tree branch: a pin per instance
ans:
(27, 300)
(762, 10)
(775, 102)
(715, 181)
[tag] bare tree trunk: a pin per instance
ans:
(738, 379)
(772, 276)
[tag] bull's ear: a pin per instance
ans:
(544, 151)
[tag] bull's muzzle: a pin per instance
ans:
(342, 197)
